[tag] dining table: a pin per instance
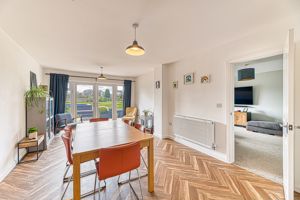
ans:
(89, 138)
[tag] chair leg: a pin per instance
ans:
(65, 179)
(132, 187)
(66, 187)
(140, 183)
(144, 161)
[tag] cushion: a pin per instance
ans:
(60, 119)
(265, 124)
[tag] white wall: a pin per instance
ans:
(267, 96)
(201, 100)
(15, 67)
(145, 92)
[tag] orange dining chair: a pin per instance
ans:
(67, 140)
(118, 160)
(98, 119)
(127, 121)
(141, 128)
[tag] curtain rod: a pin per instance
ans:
(110, 79)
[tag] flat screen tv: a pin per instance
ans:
(243, 96)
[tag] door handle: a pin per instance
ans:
(297, 127)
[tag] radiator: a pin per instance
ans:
(196, 130)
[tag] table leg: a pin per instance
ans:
(76, 177)
(151, 166)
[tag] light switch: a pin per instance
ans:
(219, 105)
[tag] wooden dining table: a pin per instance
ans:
(89, 138)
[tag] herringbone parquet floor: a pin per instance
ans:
(181, 173)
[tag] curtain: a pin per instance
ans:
(58, 90)
(127, 95)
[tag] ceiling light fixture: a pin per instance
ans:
(135, 49)
(101, 77)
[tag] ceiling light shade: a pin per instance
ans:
(246, 74)
(135, 49)
(101, 77)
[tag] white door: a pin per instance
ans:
(288, 117)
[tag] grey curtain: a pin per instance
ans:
(58, 90)
(127, 95)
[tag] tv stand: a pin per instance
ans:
(241, 118)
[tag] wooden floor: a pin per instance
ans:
(181, 173)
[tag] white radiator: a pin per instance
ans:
(196, 130)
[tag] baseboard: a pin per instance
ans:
(297, 188)
(9, 167)
(210, 152)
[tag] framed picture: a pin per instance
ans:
(157, 84)
(175, 84)
(205, 79)
(189, 78)
(33, 82)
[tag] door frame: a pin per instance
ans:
(230, 79)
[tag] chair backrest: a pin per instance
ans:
(127, 121)
(139, 127)
(98, 119)
(118, 160)
(62, 117)
(67, 139)
(131, 111)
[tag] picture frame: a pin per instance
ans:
(33, 81)
(175, 84)
(189, 78)
(205, 79)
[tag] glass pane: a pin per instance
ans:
(105, 101)
(68, 101)
(120, 92)
(84, 101)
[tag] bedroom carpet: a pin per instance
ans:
(259, 153)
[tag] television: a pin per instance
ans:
(243, 96)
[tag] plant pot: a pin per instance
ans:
(32, 135)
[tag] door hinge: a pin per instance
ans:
(291, 127)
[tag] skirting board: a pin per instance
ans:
(297, 188)
(210, 152)
(9, 167)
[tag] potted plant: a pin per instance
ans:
(34, 94)
(32, 133)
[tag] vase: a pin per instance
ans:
(32, 135)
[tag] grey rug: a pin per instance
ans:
(259, 153)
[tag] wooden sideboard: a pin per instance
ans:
(241, 118)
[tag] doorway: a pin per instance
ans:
(258, 116)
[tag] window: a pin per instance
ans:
(68, 101)
(119, 95)
(105, 103)
(85, 101)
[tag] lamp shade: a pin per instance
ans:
(246, 74)
(135, 49)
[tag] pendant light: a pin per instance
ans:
(101, 77)
(135, 49)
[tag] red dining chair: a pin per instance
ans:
(129, 122)
(67, 140)
(117, 160)
(141, 128)
(98, 119)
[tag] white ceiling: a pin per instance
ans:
(80, 35)
(263, 65)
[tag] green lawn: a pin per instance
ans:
(103, 106)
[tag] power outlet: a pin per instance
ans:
(170, 123)
(219, 105)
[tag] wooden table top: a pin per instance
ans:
(94, 136)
